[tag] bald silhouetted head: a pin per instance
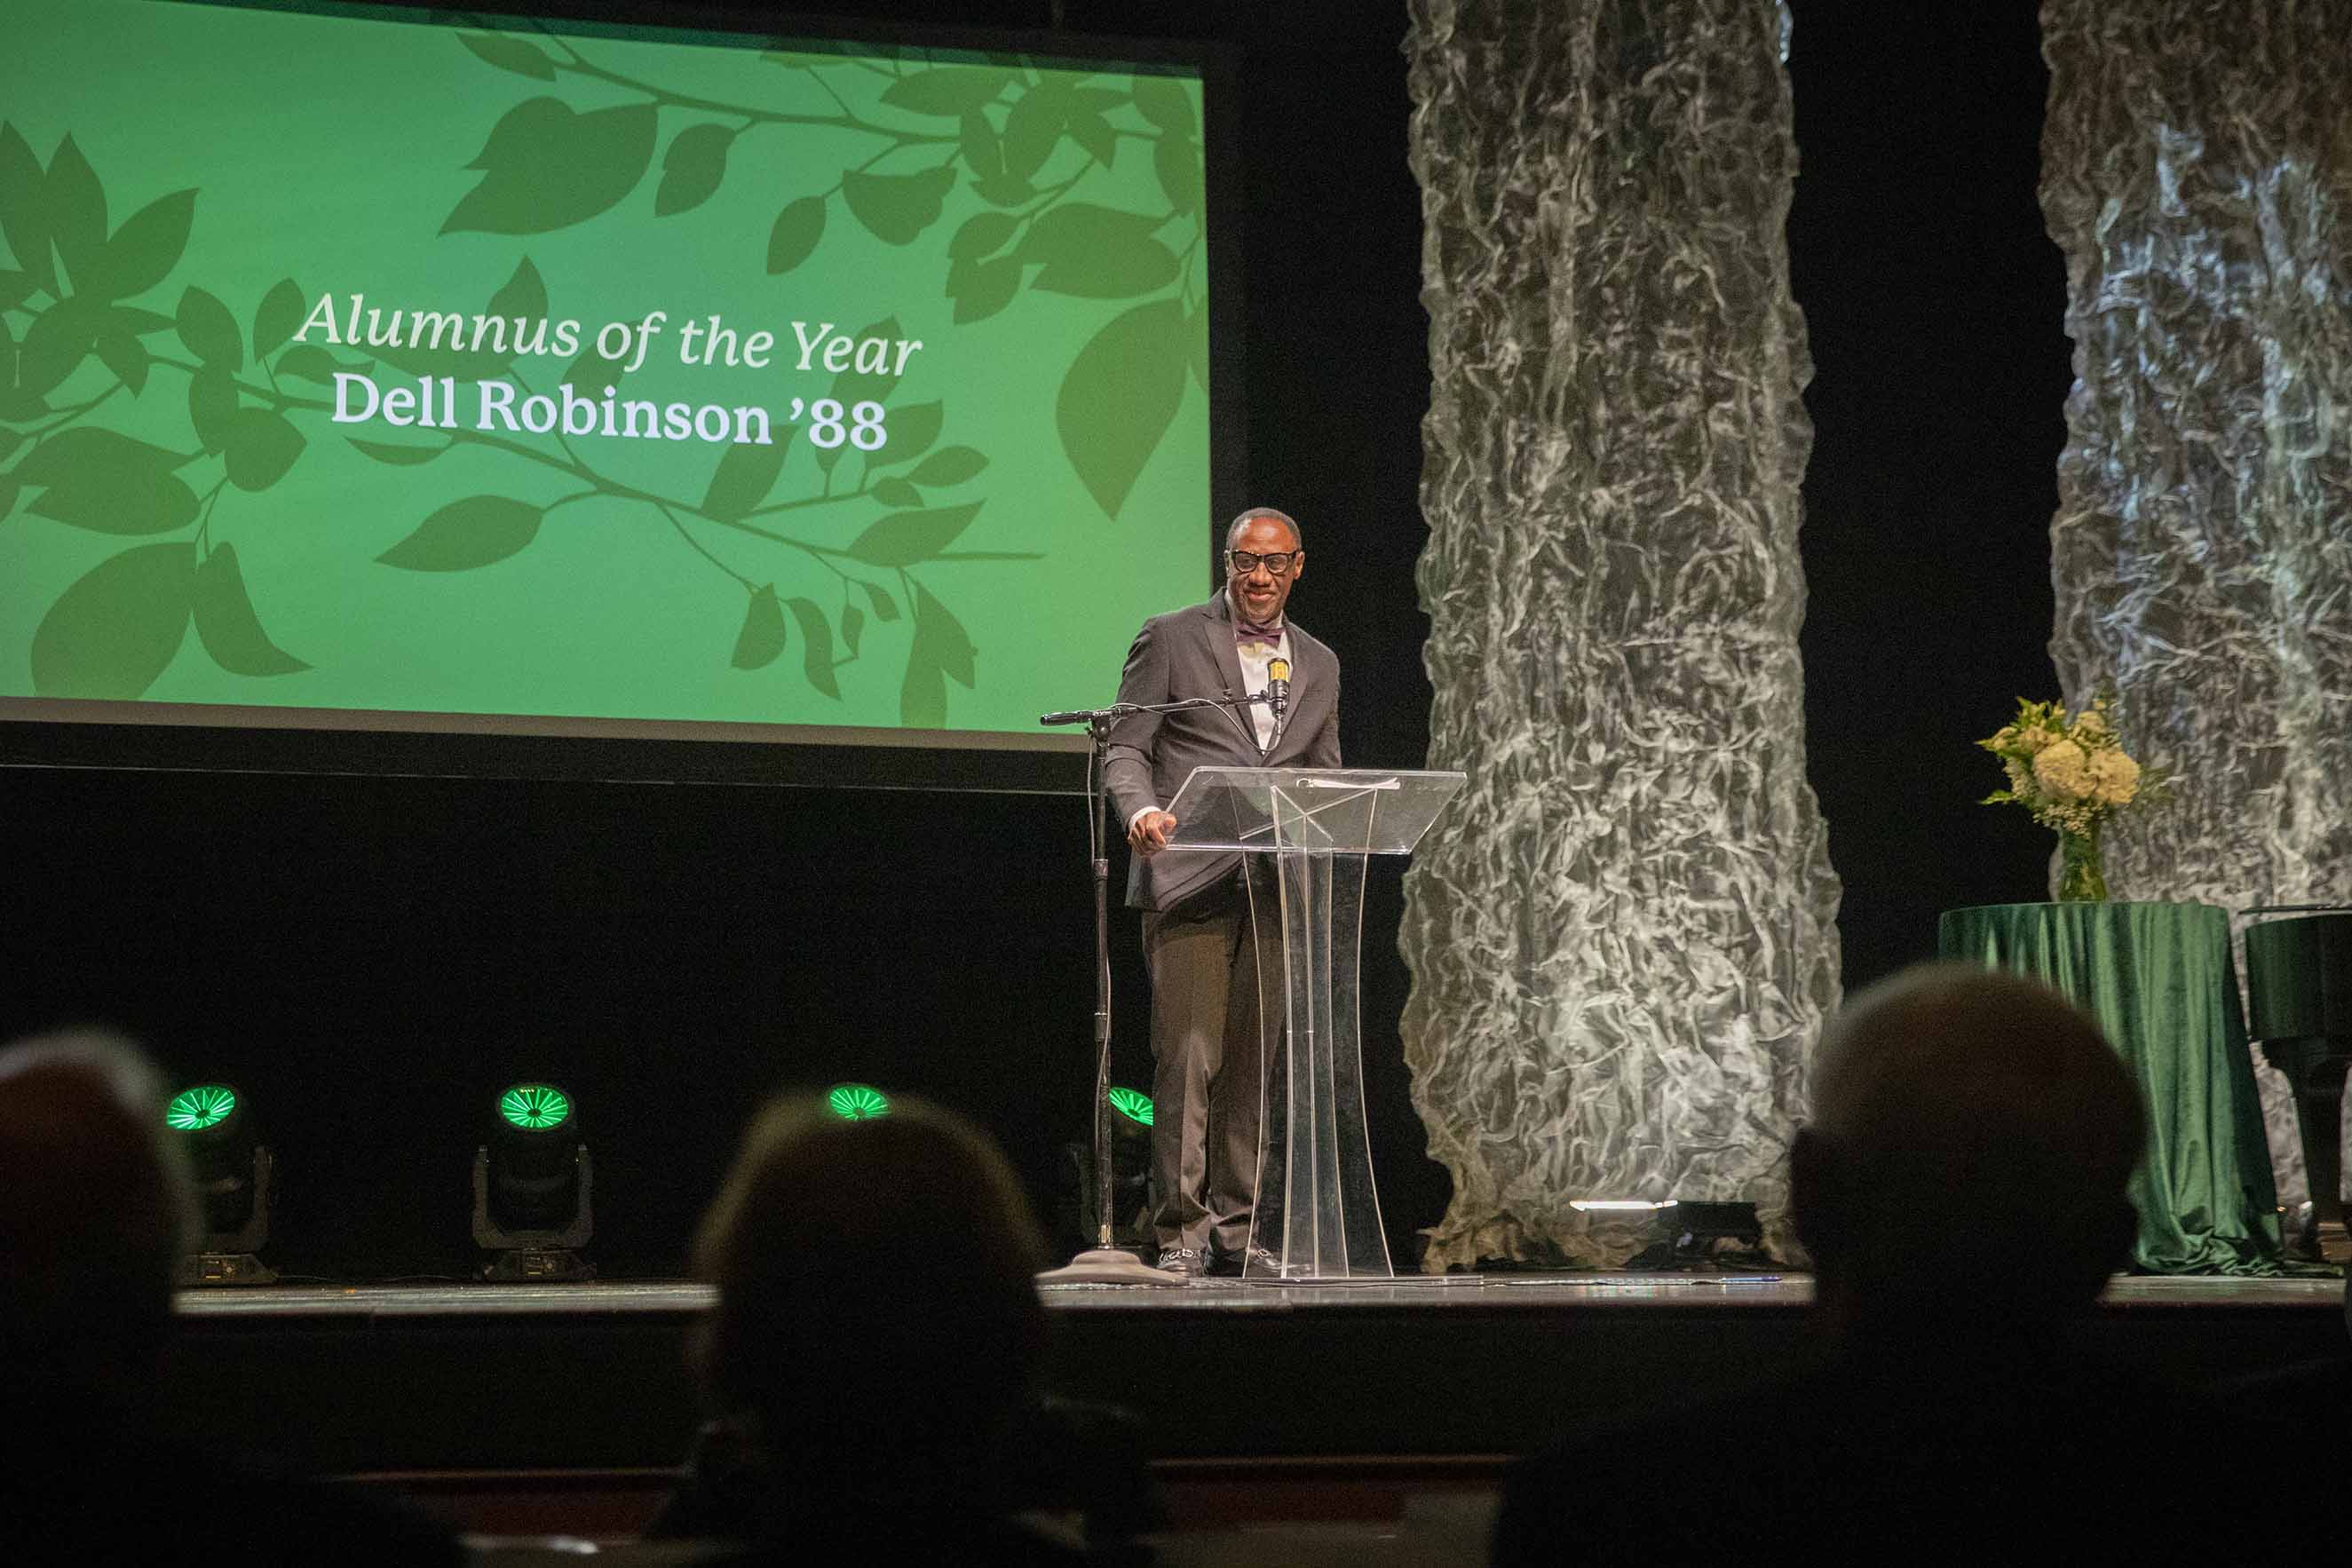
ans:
(1972, 1138)
(96, 1204)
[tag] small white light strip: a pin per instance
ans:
(1618, 1205)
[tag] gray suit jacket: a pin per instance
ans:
(1191, 653)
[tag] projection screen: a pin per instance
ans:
(363, 372)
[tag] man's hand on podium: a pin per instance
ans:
(1147, 834)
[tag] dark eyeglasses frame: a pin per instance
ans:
(1241, 563)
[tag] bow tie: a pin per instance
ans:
(1251, 631)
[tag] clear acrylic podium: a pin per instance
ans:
(1318, 1213)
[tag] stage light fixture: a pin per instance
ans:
(857, 1101)
(533, 1188)
(1618, 1205)
(233, 1171)
(1132, 1104)
(1691, 1234)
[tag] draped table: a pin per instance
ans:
(2161, 982)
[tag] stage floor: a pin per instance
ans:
(1451, 1292)
(452, 1377)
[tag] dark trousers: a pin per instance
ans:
(1216, 995)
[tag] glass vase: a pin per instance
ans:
(2081, 879)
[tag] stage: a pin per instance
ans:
(1453, 1373)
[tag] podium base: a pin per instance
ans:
(1108, 1266)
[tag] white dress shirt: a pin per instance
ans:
(1256, 657)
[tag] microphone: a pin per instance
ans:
(1278, 688)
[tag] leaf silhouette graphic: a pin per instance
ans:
(1166, 104)
(227, 624)
(212, 404)
(762, 636)
(209, 331)
(464, 534)
(816, 647)
(278, 317)
(912, 429)
(853, 620)
(692, 168)
(521, 297)
(950, 466)
(854, 386)
(904, 538)
(262, 445)
(945, 638)
(77, 212)
(982, 234)
(1033, 127)
(23, 220)
(895, 208)
(948, 92)
(983, 289)
(746, 473)
(1098, 253)
(1120, 395)
(107, 483)
(15, 288)
(57, 343)
(940, 650)
(399, 457)
(545, 167)
(797, 230)
(886, 608)
(147, 247)
(593, 374)
(123, 354)
(1196, 332)
(1093, 134)
(311, 362)
(895, 491)
(508, 54)
(923, 695)
(120, 625)
(1176, 161)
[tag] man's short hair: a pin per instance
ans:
(1297, 540)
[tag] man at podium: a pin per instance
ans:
(1216, 972)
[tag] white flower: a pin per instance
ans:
(2115, 777)
(2063, 770)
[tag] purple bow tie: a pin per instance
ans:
(1251, 631)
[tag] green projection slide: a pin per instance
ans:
(357, 363)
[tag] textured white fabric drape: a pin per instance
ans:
(1621, 938)
(2197, 172)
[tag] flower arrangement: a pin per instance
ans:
(2073, 774)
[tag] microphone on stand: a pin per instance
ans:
(1278, 689)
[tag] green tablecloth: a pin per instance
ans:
(2161, 982)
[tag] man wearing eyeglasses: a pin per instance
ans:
(1216, 972)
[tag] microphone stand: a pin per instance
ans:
(1104, 1263)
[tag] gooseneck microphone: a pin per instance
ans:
(1278, 689)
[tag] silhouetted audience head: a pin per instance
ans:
(98, 1204)
(878, 1326)
(1971, 1137)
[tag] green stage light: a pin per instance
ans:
(535, 1107)
(1133, 1104)
(200, 1106)
(857, 1101)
